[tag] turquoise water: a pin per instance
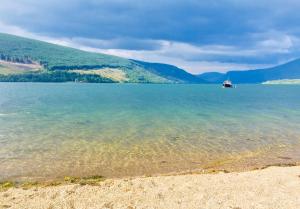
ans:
(70, 129)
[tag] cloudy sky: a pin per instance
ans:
(197, 35)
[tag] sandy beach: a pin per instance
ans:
(270, 188)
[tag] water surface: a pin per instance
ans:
(71, 129)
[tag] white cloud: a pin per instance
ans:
(15, 30)
(281, 44)
(4, 28)
(163, 56)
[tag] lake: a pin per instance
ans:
(51, 130)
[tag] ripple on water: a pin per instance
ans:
(122, 131)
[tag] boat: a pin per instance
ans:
(227, 84)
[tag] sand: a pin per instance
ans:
(270, 188)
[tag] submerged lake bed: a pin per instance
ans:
(52, 130)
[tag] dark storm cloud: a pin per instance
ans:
(192, 21)
(259, 31)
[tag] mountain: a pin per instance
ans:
(290, 70)
(170, 72)
(212, 77)
(23, 59)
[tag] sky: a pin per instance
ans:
(196, 35)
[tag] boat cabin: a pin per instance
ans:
(227, 84)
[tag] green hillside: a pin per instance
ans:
(54, 58)
(170, 72)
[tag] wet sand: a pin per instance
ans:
(273, 187)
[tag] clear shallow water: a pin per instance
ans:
(55, 130)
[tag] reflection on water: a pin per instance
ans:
(54, 130)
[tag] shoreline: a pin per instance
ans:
(33, 181)
(215, 168)
(270, 187)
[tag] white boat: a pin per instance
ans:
(227, 84)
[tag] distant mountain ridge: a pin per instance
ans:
(170, 72)
(60, 63)
(290, 70)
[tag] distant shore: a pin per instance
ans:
(273, 187)
(284, 82)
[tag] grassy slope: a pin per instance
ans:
(7, 68)
(53, 57)
(114, 74)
